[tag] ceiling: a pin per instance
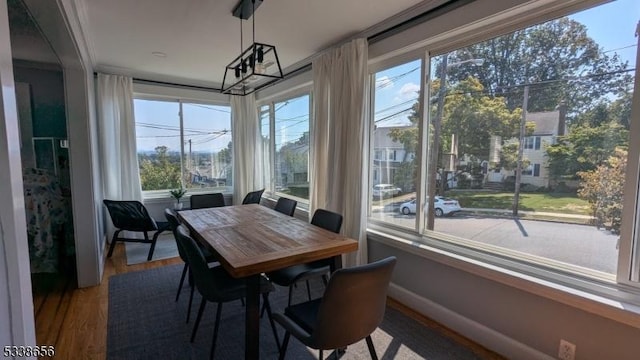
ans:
(200, 37)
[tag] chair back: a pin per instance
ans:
(253, 197)
(327, 220)
(172, 218)
(286, 206)
(202, 201)
(130, 215)
(353, 304)
(196, 260)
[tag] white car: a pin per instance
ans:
(383, 190)
(442, 206)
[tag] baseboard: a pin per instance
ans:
(466, 327)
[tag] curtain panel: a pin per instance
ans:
(248, 167)
(339, 145)
(121, 178)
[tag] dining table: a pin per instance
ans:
(253, 239)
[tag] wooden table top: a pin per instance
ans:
(252, 239)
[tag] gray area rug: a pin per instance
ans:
(144, 322)
(166, 248)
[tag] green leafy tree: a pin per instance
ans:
(160, 172)
(558, 57)
(603, 188)
(585, 148)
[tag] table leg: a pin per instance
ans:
(252, 318)
(335, 263)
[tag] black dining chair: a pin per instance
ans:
(253, 197)
(174, 222)
(201, 201)
(304, 272)
(352, 307)
(286, 206)
(216, 285)
(132, 215)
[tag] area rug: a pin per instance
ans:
(144, 322)
(166, 248)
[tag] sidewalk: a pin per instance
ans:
(533, 214)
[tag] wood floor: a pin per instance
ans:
(75, 320)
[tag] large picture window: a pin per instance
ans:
(528, 141)
(285, 126)
(183, 144)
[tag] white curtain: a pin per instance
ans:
(247, 148)
(339, 145)
(120, 175)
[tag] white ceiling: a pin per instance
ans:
(200, 37)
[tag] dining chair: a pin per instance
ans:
(352, 307)
(253, 197)
(304, 272)
(286, 206)
(216, 285)
(201, 201)
(132, 215)
(174, 222)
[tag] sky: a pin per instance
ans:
(611, 25)
(209, 127)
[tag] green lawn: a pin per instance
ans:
(557, 203)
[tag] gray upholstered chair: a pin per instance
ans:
(253, 197)
(303, 272)
(352, 307)
(286, 206)
(201, 201)
(216, 285)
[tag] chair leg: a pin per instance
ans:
(184, 273)
(320, 355)
(283, 348)
(113, 243)
(200, 311)
(325, 280)
(153, 243)
(215, 330)
(267, 306)
(290, 293)
(372, 350)
(190, 302)
(308, 291)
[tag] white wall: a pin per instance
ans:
(16, 303)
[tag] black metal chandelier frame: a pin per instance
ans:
(248, 71)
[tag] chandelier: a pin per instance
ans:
(257, 65)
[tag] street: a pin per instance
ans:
(581, 245)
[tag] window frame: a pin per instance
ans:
(299, 91)
(626, 285)
(164, 194)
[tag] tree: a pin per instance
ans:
(603, 188)
(585, 148)
(558, 57)
(158, 172)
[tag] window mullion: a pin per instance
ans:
(182, 165)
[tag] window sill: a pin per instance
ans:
(608, 300)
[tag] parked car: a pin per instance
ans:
(384, 190)
(442, 206)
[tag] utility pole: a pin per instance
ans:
(434, 152)
(189, 162)
(516, 195)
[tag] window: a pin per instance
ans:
(564, 168)
(396, 93)
(288, 122)
(183, 144)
